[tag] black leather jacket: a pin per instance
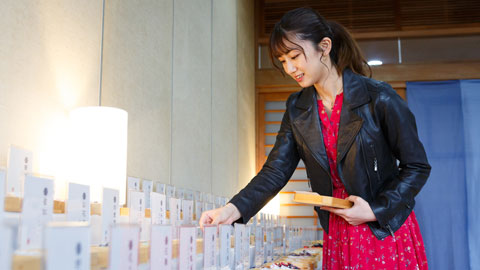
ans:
(376, 129)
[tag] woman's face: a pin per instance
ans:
(306, 68)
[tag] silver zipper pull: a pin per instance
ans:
(375, 168)
(391, 231)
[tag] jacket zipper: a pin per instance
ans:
(375, 166)
(390, 231)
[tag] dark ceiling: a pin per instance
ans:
(361, 16)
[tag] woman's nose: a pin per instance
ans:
(289, 67)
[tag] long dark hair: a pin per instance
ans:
(307, 24)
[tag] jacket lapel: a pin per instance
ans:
(354, 95)
(308, 125)
(308, 122)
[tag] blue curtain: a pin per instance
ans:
(449, 219)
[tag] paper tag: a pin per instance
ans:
(133, 183)
(258, 238)
(198, 209)
(239, 232)
(180, 194)
(19, 163)
(198, 196)
(174, 211)
(170, 191)
(110, 212)
(37, 211)
(137, 207)
(209, 247)
(160, 188)
(225, 244)
(147, 188)
(246, 242)
(158, 208)
(188, 248)
(6, 235)
(2, 194)
(189, 194)
(161, 247)
(67, 247)
(78, 204)
(187, 209)
(124, 247)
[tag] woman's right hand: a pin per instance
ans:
(223, 215)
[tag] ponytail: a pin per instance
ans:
(345, 51)
(308, 24)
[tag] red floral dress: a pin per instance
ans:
(355, 247)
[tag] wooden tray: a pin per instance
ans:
(316, 199)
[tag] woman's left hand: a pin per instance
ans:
(360, 212)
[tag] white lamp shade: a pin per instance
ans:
(98, 156)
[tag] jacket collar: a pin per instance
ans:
(308, 122)
(355, 93)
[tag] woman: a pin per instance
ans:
(350, 131)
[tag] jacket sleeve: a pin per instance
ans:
(277, 170)
(400, 130)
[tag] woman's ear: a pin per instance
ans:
(325, 46)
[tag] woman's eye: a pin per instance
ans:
(293, 57)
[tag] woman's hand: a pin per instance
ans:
(360, 212)
(223, 215)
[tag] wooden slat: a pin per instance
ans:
(274, 111)
(383, 18)
(294, 204)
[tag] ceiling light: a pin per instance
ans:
(375, 63)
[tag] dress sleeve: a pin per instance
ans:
(400, 130)
(277, 170)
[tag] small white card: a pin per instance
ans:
(170, 191)
(189, 194)
(124, 247)
(147, 188)
(110, 212)
(37, 211)
(160, 188)
(188, 248)
(187, 210)
(210, 247)
(225, 244)
(78, 204)
(209, 206)
(133, 183)
(161, 247)
(137, 207)
(6, 251)
(198, 196)
(67, 246)
(239, 233)
(258, 238)
(158, 208)
(174, 211)
(180, 193)
(198, 209)
(19, 163)
(246, 242)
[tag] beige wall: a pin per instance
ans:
(183, 70)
